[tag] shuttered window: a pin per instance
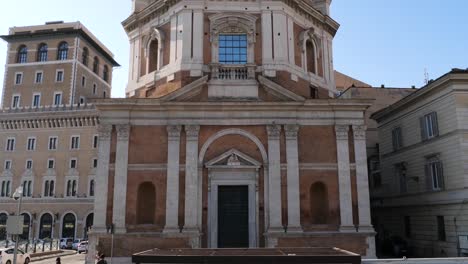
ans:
(429, 126)
(434, 174)
(397, 138)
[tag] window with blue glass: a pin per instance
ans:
(233, 49)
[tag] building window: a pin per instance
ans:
(7, 165)
(59, 76)
(18, 78)
(29, 164)
(27, 188)
(407, 226)
(53, 143)
(83, 81)
(22, 54)
(96, 65)
(6, 188)
(95, 141)
(95, 163)
(75, 142)
(15, 102)
(397, 138)
(71, 188)
(429, 126)
(441, 236)
(82, 99)
(105, 73)
(311, 57)
(50, 163)
(57, 99)
(374, 168)
(42, 52)
(400, 172)
(434, 174)
(91, 188)
(49, 188)
(146, 203)
(94, 89)
(36, 100)
(104, 94)
(84, 56)
(62, 53)
(233, 49)
(45, 226)
(38, 77)
(10, 144)
(31, 144)
(73, 163)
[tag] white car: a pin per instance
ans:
(66, 243)
(76, 242)
(6, 256)
(82, 247)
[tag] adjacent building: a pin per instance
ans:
(48, 131)
(231, 135)
(421, 193)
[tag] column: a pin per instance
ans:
(120, 178)
(344, 179)
(172, 180)
(191, 179)
(274, 179)
(362, 184)
(102, 178)
(292, 156)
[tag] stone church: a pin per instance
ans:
(231, 135)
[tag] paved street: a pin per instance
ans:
(72, 259)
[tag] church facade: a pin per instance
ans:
(231, 135)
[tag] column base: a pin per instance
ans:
(98, 230)
(191, 230)
(366, 229)
(348, 229)
(171, 230)
(276, 230)
(120, 230)
(294, 230)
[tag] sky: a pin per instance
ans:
(379, 41)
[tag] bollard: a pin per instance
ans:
(35, 245)
(43, 244)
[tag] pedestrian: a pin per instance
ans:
(58, 260)
(102, 259)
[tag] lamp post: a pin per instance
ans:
(18, 196)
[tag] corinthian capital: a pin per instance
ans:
(192, 131)
(341, 132)
(359, 132)
(274, 131)
(291, 131)
(173, 131)
(123, 131)
(105, 131)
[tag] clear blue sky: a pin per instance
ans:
(379, 42)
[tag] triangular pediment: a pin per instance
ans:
(233, 159)
(188, 91)
(279, 91)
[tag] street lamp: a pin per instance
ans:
(18, 196)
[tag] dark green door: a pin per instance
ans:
(233, 216)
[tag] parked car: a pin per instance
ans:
(66, 243)
(82, 247)
(6, 256)
(76, 242)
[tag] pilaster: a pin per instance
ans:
(344, 179)
(120, 178)
(274, 179)
(172, 182)
(191, 179)
(293, 191)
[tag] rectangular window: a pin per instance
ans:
(6, 188)
(94, 89)
(27, 188)
(49, 187)
(10, 144)
(18, 78)
(75, 142)
(7, 165)
(29, 164)
(38, 77)
(397, 138)
(73, 164)
(95, 163)
(441, 236)
(71, 188)
(53, 143)
(434, 174)
(233, 49)
(429, 126)
(15, 102)
(31, 144)
(36, 100)
(408, 226)
(57, 99)
(83, 81)
(59, 76)
(82, 99)
(95, 141)
(400, 171)
(50, 163)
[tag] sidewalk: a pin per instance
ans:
(52, 254)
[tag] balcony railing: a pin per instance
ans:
(232, 72)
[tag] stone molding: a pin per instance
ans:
(105, 131)
(274, 131)
(291, 131)
(192, 132)
(342, 132)
(123, 131)
(359, 132)
(173, 132)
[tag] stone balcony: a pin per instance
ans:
(233, 81)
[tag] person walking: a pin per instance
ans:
(101, 259)
(58, 260)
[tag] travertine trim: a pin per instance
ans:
(274, 131)
(123, 132)
(291, 131)
(359, 132)
(341, 132)
(104, 131)
(173, 132)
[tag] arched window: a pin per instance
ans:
(45, 226)
(26, 226)
(22, 54)
(146, 203)
(42, 52)
(68, 225)
(311, 57)
(319, 203)
(105, 73)
(91, 188)
(89, 224)
(96, 65)
(3, 221)
(62, 53)
(153, 56)
(84, 56)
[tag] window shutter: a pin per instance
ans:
(435, 124)
(440, 175)
(427, 172)
(394, 140)
(423, 128)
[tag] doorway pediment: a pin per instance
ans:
(233, 159)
